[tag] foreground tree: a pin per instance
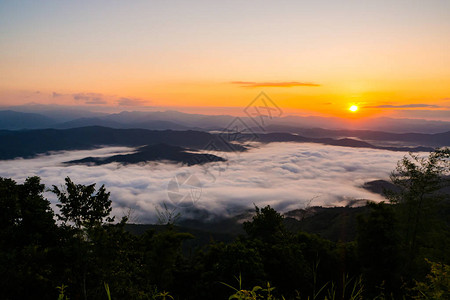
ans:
(421, 182)
(266, 225)
(82, 206)
(83, 211)
(379, 250)
(28, 236)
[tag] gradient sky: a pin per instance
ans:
(311, 57)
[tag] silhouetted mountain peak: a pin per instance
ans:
(157, 152)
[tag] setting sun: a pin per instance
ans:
(353, 108)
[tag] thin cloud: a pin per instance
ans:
(252, 84)
(420, 105)
(96, 101)
(90, 98)
(436, 114)
(130, 102)
(284, 175)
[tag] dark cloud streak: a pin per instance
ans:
(130, 102)
(419, 105)
(89, 98)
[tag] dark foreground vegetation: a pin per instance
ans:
(400, 249)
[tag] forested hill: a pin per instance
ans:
(31, 142)
(153, 153)
(424, 139)
(28, 143)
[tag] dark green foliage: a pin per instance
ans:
(10, 212)
(85, 250)
(81, 206)
(267, 225)
(27, 239)
(161, 253)
(437, 283)
(379, 248)
(281, 255)
(338, 224)
(422, 182)
(322, 256)
(220, 262)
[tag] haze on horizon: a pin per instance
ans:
(313, 58)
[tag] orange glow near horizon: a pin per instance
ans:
(156, 54)
(224, 98)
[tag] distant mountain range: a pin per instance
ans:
(381, 186)
(58, 117)
(27, 143)
(154, 125)
(39, 129)
(58, 113)
(378, 138)
(172, 120)
(13, 120)
(348, 142)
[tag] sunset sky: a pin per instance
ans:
(388, 58)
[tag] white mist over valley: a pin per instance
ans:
(287, 176)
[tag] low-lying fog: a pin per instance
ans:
(285, 175)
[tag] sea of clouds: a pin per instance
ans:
(285, 175)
